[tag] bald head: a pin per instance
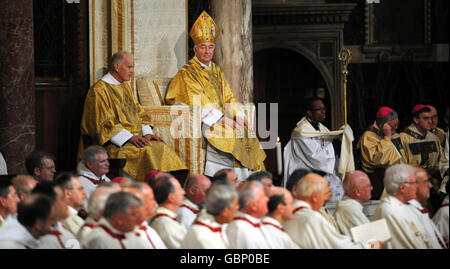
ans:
(134, 191)
(196, 188)
(357, 186)
(121, 66)
(24, 184)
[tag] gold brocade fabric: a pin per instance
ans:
(109, 109)
(204, 29)
(423, 150)
(378, 151)
(207, 87)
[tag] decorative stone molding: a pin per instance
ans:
(389, 52)
(301, 14)
(314, 31)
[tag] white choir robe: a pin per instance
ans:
(435, 238)
(187, 213)
(277, 234)
(89, 181)
(100, 238)
(310, 230)
(205, 233)
(148, 236)
(247, 233)
(329, 217)
(73, 222)
(441, 217)
(349, 213)
(86, 228)
(404, 226)
(14, 235)
(168, 228)
(58, 238)
(313, 152)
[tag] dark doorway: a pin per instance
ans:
(286, 77)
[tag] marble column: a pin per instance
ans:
(17, 95)
(234, 48)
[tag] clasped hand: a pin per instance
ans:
(141, 141)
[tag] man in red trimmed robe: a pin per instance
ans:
(195, 196)
(92, 169)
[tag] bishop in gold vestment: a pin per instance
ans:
(202, 80)
(113, 118)
(422, 147)
(381, 147)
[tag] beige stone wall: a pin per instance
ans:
(153, 30)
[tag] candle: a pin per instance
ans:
(279, 157)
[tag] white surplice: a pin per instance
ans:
(277, 234)
(89, 181)
(187, 213)
(441, 218)
(349, 213)
(404, 226)
(310, 230)
(312, 149)
(105, 236)
(58, 238)
(246, 232)
(87, 227)
(148, 236)
(169, 229)
(73, 222)
(14, 235)
(435, 237)
(205, 233)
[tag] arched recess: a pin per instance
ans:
(287, 77)
(305, 52)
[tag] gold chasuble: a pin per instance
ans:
(194, 85)
(422, 150)
(109, 109)
(378, 151)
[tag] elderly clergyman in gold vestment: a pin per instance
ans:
(200, 79)
(113, 118)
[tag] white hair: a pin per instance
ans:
(120, 202)
(97, 200)
(305, 188)
(396, 175)
(247, 192)
(90, 153)
(219, 196)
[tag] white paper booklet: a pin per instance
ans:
(375, 230)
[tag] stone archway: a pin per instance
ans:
(286, 77)
(314, 31)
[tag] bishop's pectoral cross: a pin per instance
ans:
(424, 149)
